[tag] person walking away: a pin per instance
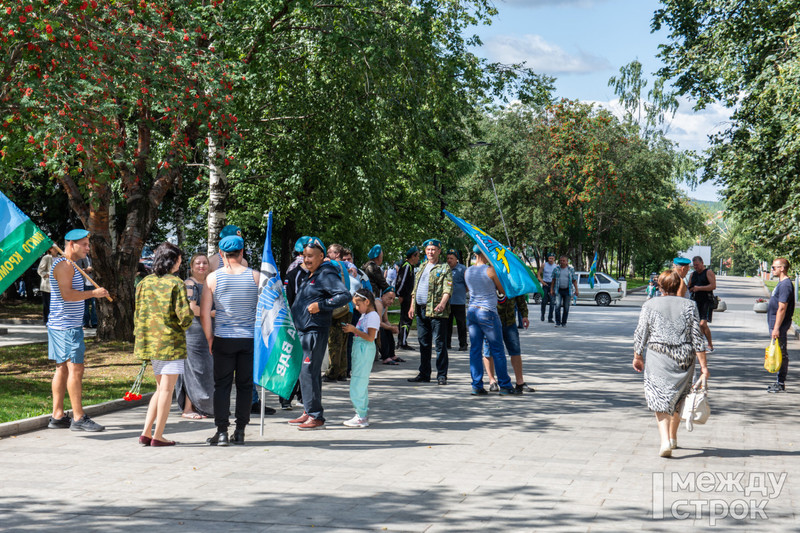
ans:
(681, 267)
(320, 291)
(195, 387)
(702, 283)
(65, 343)
(669, 328)
(507, 311)
(458, 303)
(161, 318)
(45, 264)
(564, 286)
(779, 317)
(404, 289)
(433, 286)
(233, 292)
(363, 356)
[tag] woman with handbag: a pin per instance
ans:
(669, 327)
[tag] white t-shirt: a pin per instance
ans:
(422, 288)
(370, 320)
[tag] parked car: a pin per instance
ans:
(605, 290)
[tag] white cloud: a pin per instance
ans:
(689, 128)
(541, 56)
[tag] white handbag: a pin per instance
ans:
(695, 407)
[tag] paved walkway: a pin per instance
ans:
(578, 455)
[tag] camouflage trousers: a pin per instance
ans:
(337, 348)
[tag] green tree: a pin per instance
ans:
(745, 55)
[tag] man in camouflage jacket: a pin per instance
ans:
(433, 286)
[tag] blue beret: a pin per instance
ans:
(315, 242)
(682, 261)
(387, 289)
(231, 243)
(434, 242)
(374, 252)
(452, 251)
(300, 244)
(229, 230)
(76, 235)
(477, 249)
(411, 251)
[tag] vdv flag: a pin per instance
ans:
(515, 276)
(21, 242)
(593, 271)
(277, 354)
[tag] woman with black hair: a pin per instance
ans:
(161, 318)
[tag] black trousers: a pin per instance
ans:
(386, 346)
(405, 322)
(233, 361)
(45, 306)
(430, 332)
(459, 312)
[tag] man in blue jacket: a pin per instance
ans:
(317, 291)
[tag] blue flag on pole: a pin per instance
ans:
(516, 277)
(278, 354)
(593, 271)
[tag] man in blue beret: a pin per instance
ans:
(433, 287)
(404, 286)
(681, 266)
(234, 295)
(319, 290)
(374, 272)
(216, 261)
(65, 343)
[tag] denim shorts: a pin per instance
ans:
(511, 341)
(66, 345)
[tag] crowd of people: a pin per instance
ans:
(198, 333)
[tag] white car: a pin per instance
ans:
(605, 290)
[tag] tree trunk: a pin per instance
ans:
(217, 196)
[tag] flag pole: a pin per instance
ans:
(85, 275)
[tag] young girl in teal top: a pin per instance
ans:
(363, 355)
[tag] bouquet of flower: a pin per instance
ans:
(133, 394)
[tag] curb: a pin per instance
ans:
(21, 322)
(25, 425)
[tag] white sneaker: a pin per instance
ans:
(357, 422)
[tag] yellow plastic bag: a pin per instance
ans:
(773, 357)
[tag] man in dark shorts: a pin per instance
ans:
(701, 285)
(779, 317)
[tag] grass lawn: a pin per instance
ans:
(796, 316)
(20, 309)
(26, 374)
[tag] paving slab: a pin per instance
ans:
(579, 454)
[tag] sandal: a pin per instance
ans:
(389, 362)
(399, 360)
(192, 416)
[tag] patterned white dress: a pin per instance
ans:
(669, 329)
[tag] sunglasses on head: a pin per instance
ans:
(315, 243)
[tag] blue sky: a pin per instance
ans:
(583, 43)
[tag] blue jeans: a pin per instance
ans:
(314, 342)
(510, 339)
(430, 331)
(562, 301)
(485, 324)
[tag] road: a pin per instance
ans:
(579, 454)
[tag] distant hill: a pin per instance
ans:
(710, 207)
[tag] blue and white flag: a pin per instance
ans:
(593, 271)
(516, 277)
(278, 354)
